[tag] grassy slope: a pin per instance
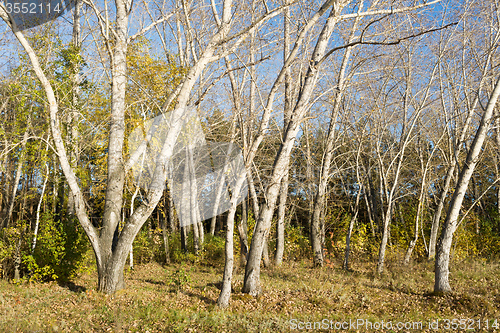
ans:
(152, 302)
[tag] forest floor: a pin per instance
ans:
(181, 298)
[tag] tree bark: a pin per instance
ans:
(437, 214)
(223, 300)
(280, 227)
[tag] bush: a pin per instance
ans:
(9, 240)
(180, 279)
(59, 251)
(177, 255)
(214, 249)
(297, 244)
(148, 246)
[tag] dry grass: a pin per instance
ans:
(152, 302)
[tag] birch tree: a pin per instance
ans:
(301, 106)
(442, 263)
(110, 244)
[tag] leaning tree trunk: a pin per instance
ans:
(437, 214)
(385, 238)
(347, 251)
(453, 159)
(317, 223)
(38, 208)
(288, 104)
(442, 263)
(251, 283)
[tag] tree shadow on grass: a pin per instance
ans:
(283, 276)
(72, 287)
(217, 285)
(394, 288)
(205, 299)
(158, 283)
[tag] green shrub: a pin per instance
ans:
(214, 249)
(177, 254)
(143, 247)
(59, 251)
(180, 279)
(297, 243)
(9, 239)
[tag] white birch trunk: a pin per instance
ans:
(442, 263)
(252, 269)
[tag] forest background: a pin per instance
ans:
(369, 131)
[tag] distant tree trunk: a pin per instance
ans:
(444, 246)
(220, 187)
(184, 239)
(222, 181)
(201, 231)
(37, 222)
(171, 214)
(196, 239)
(497, 167)
(356, 211)
(15, 186)
(164, 232)
(243, 233)
(17, 258)
(6, 186)
(349, 231)
(373, 202)
(421, 199)
(191, 207)
(477, 199)
(385, 238)
(280, 227)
